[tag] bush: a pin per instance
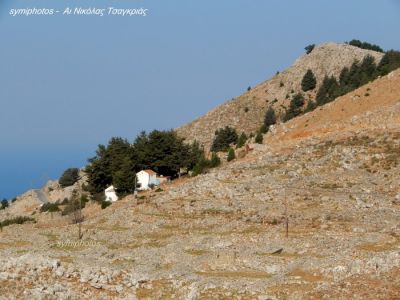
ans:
(259, 138)
(365, 45)
(390, 61)
(14, 199)
(50, 207)
(215, 160)
(263, 129)
(309, 48)
(16, 220)
(69, 177)
(105, 204)
(309, 81)
(4, 204)
(224, 137)
(231, 154)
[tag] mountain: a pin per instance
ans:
(311, 213)
(246, 112)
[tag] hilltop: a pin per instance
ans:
(331, 174)
(246, 112)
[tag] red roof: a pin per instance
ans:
(151, 172)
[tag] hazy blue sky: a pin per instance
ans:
(70, 83)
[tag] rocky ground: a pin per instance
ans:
(223, 235)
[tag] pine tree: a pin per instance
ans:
(309, 81)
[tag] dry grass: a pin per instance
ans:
(235, 274)
(197, 252)
(15, 244)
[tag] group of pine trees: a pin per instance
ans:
(117, 162)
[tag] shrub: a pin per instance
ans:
(69, 177)
(309, 81)
(263, 129)
(231, 154)
(390, 61)
(50, 207)
(309, 48)
(14, 199)
(249, 89)
(215, 161)
(365, 45)
(16, 220)
(259, 138)
(4, 204)
(224, 137)
(105, 204)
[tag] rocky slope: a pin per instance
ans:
(30, 201)
(332, 173)
(247, 111)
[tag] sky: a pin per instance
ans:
(69, 83)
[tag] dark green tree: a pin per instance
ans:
(309, 48)
(309, 81)
(124, 178)
(69, 177)
(108, 161)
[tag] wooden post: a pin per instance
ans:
(286, 218)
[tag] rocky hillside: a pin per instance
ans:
(247, 111)
(30, 201)
(331, 175)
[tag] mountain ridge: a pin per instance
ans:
(246, 112)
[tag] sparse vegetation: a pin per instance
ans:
(69, 177)
(16, 220)
(105, 204)
(50, 207)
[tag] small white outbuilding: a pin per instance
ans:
(110, 193)
(146, 178)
